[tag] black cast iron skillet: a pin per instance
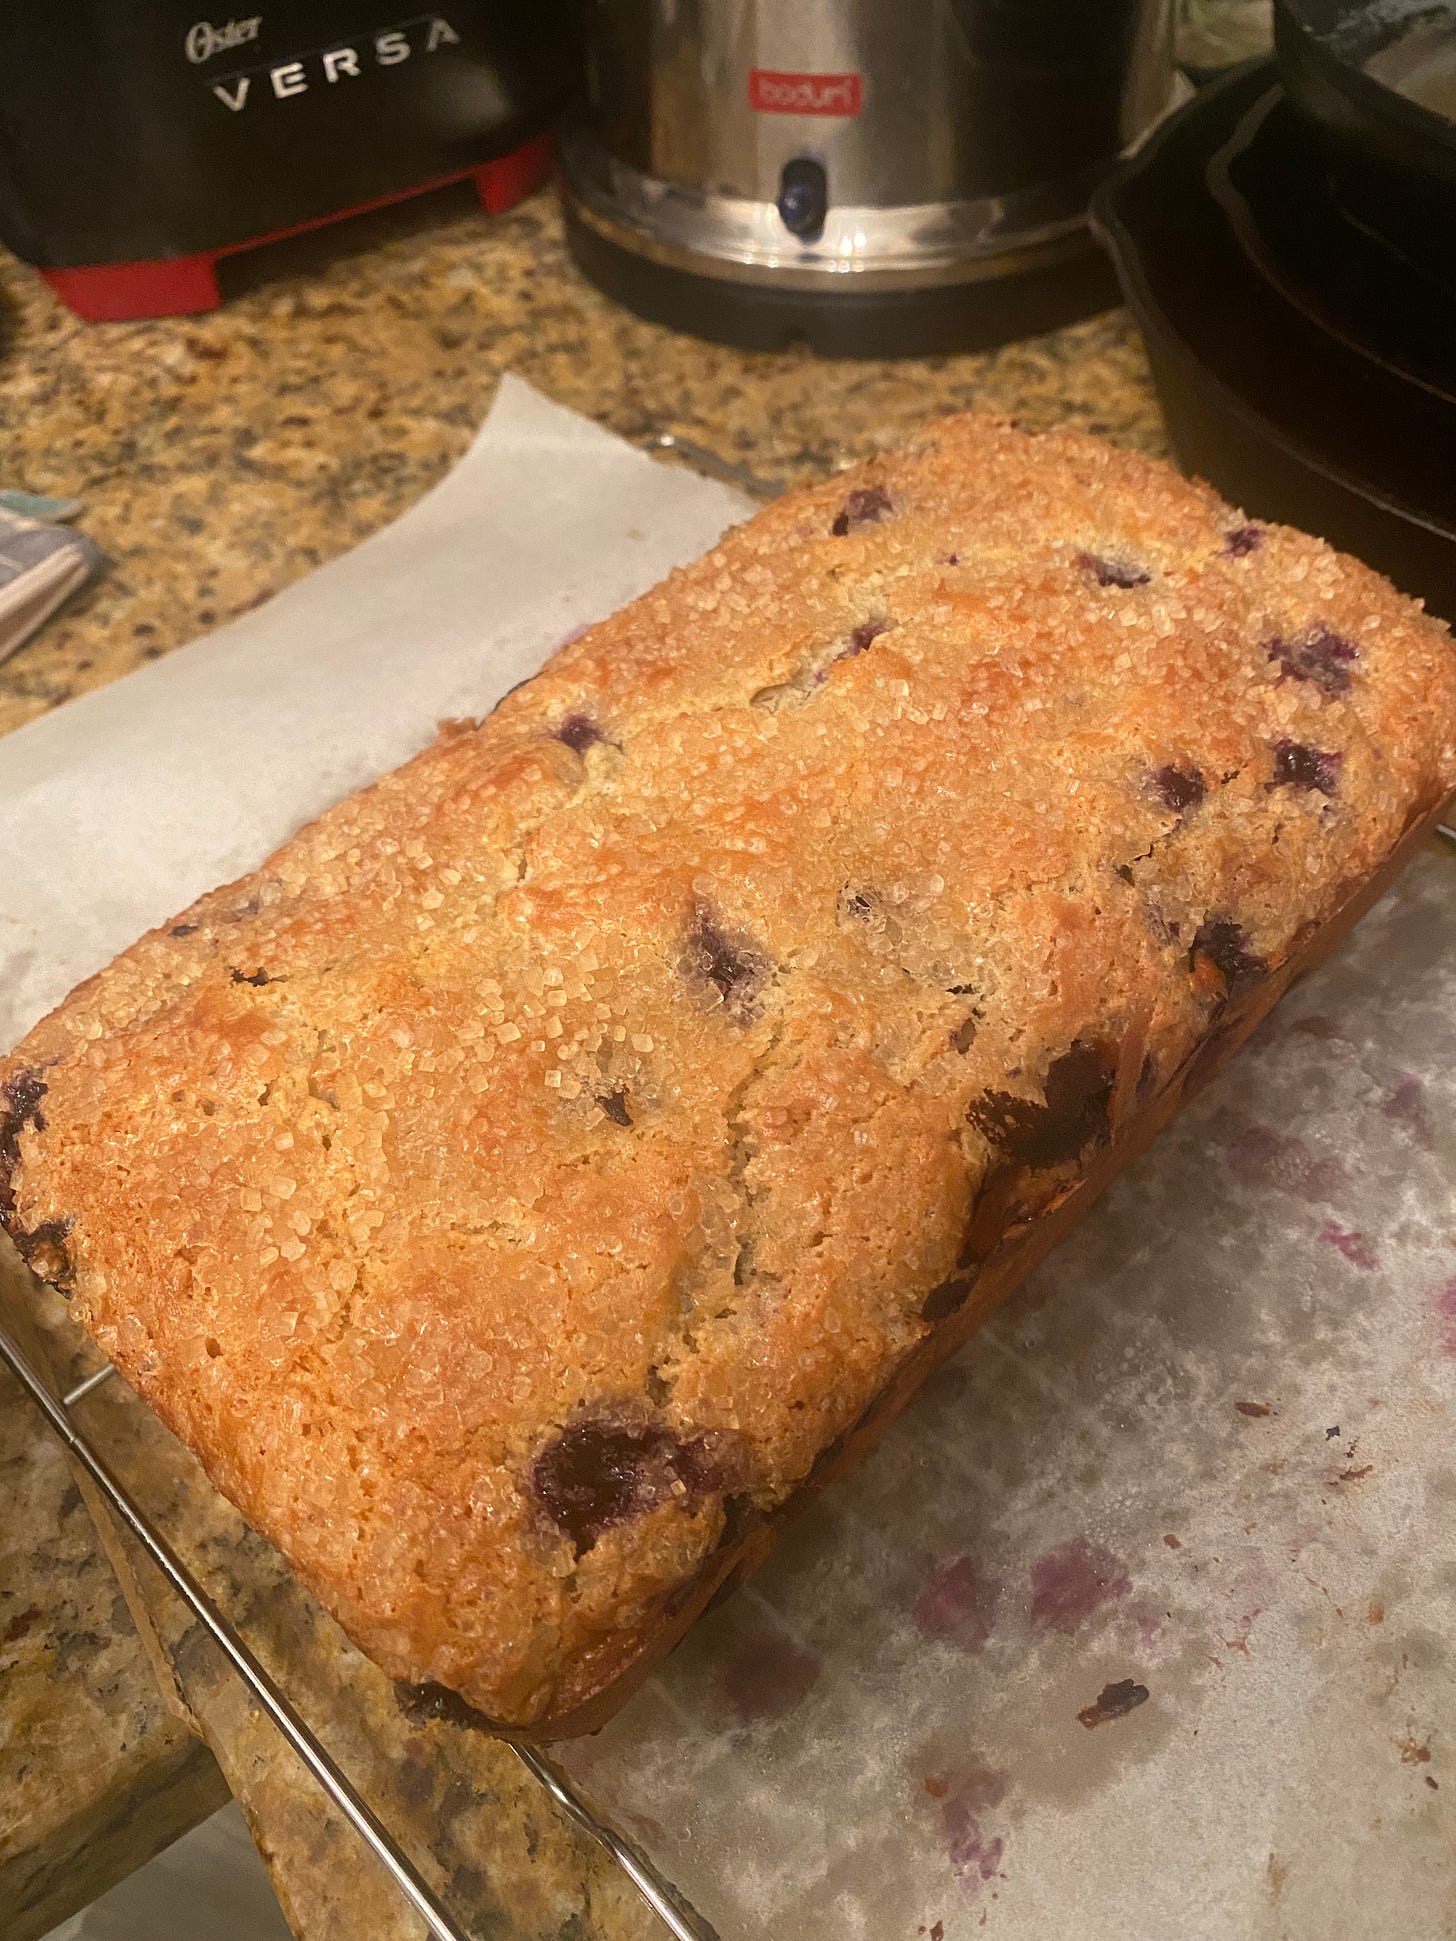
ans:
(1275, 194)
(1392, 158)
(1273, 411)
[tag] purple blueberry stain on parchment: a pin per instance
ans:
(1446, 1317)
(957, 1605)
(767, 1678)
(1260, 1156)
(975, 1843)
(1407, 1106)
(1073, 1581)
(1359, 1251)
(1316, 1025)
(1149, 1627)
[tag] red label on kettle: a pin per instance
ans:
(773, 93)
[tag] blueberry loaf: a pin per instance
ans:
(550, 1165)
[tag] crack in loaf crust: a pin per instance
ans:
(518, 1188)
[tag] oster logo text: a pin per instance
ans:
(330, 66)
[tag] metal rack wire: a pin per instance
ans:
(680, 1919)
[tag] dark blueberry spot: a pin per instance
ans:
(614, 1104)
(1113, 572)
(599, 1471)
(183, 930)
(1320, 656)
(1299, 767)
(1226, 946)
(864, 633)
(865, 506)
(1179, 788)
(1124, 870)
(952, 559)
(425, 1704)
(944, 1300)
(579, 732)
(1163, 929)
(964, 1035)
(20, 1101)
(589, 1478)
(21, 1097)
(1242, 541)
(734, 971)
(1078, 1095)
(707, 1463)
(257, 978)
(43, 1249)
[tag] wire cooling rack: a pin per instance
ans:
(679, 1918)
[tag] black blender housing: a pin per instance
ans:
(136, 131)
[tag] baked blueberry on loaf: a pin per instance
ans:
(561, 1153)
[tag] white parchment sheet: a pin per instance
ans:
(1141, 1622)
(120, 808)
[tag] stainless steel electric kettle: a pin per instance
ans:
(872, 175)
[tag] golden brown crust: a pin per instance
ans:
(514, 1189)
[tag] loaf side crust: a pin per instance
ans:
(516, 1188)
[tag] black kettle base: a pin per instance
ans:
(843, 323)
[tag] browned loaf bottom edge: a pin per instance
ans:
(995, 1257)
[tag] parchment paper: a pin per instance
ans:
(1194, 1485)
(118, 809)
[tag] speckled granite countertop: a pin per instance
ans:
(218, 459)
(96, 1774)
